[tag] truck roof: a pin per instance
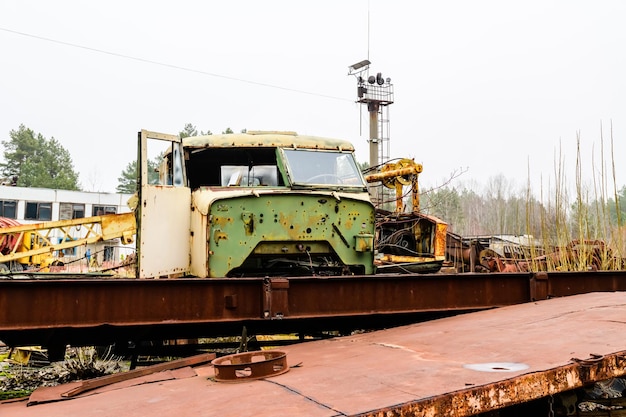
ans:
(267, 139)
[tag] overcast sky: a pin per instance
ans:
(485, 87)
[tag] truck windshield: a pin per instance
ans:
(323, 168)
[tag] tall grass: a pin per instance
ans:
(577, 231)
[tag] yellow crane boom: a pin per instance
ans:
(28, 240)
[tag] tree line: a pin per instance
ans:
(555, 220)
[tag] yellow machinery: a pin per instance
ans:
(407, 241)
(396, 175)
(32, 245)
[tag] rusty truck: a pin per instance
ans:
(254, 204)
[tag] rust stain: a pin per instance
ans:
(222, 221)
(219, 235)
(511, 391)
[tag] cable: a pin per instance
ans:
(177, 67)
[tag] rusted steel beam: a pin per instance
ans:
(517, 390)
(32, 309)
(28, 304)
(570, 283)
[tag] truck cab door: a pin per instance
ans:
(163, 212)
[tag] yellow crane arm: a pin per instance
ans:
(398, 174)
(36, 239)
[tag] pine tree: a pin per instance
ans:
(38, 162)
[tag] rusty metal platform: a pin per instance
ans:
(462, 365)
(88, 310)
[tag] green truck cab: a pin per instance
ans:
(267, 204)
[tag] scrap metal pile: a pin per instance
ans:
(525, 254)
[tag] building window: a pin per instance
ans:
(38, 211)
(109, 253)
(102, 210)
(7, 209)
(69, 211)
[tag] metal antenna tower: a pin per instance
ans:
(377, 93)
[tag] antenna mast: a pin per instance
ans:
(377, 93)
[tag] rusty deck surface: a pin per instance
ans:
(461, 365)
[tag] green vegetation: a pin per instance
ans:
(31, 160)
(9, 395)
(17, 381)
(127, 181)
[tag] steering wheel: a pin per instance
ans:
(333, 179)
